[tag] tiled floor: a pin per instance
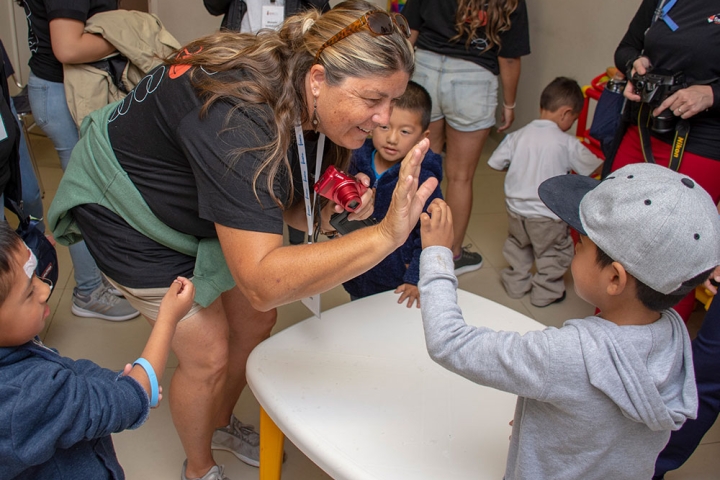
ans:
(154, 451)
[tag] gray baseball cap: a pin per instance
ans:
(660, 225)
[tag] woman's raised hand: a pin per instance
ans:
(408, 198)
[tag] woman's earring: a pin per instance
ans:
(314, 115)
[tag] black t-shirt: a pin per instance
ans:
(184, 166)
(39, 13)
(435, 21)
(693, 49)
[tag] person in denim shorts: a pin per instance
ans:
(461, 48)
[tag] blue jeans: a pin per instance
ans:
(51, 113)
(706, 358)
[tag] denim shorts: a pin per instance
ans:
(462, 92)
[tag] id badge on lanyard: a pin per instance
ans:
(312, 302)
(273, 13)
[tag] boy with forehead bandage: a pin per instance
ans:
(57, 414)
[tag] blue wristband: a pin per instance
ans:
(150, 371)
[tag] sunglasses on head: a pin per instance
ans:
(378, 22)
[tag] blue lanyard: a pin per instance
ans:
(666, 18)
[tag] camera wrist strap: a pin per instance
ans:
(309, 204)
(682, 132)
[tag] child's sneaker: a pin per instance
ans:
(553, 302)
(215, 473)
(102, 304)
(467, 261)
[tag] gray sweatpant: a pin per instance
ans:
(545, 241)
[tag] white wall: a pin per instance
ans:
(574, 38)
(192, 20)
(186, 19)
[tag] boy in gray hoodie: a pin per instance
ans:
(598, 397)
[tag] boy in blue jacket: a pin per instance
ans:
(380, 159)
(57, 414)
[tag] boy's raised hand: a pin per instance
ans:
(436, 227)
(178, 299)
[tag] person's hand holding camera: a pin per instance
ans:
(687, 102)
(712, 283)
(367, 205)
(684, 103)
(640, 66)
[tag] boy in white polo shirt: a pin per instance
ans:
(533, 154)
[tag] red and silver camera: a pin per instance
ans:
(341, 188)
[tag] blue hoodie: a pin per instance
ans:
(403, 265)
(57, 414)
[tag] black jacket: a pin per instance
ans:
(9, 137)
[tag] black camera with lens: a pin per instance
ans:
(653, 88)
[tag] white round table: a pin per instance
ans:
(357, 392)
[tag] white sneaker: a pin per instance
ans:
(102, 304)
(215, 473)
(111, 288)
(239, 439)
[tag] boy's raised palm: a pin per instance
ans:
(436, 227)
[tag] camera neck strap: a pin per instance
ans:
(682, 132)
(302, 155)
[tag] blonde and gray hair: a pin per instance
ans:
(274, 66)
